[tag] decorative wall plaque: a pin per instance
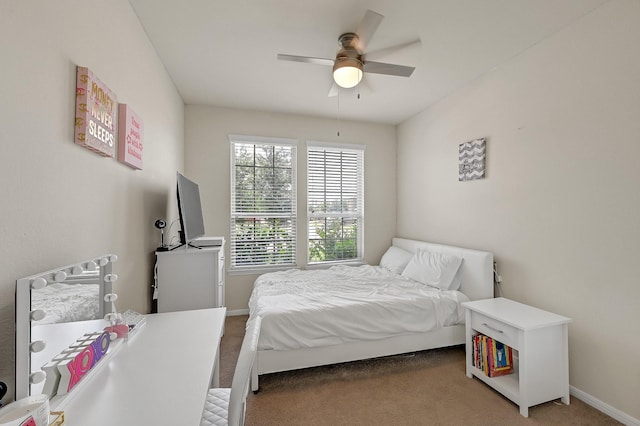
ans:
(471, 157)
(130, 132)
(95, 127)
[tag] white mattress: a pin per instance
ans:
(302, 309)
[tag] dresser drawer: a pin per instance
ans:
(493, 328)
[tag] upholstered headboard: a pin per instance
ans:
(477, 266)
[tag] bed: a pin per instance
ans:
(320, 317)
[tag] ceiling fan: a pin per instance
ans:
(352, 61)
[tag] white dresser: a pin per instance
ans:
(539, 342)
(190, 278)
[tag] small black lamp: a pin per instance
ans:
(161, 224)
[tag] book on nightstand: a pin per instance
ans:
(494, 358)
(501, 359)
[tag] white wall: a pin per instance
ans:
(560, 203)
(207, 161)
(60, 202)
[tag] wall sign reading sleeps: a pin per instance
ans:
(95, 127)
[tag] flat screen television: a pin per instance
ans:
(189, 209)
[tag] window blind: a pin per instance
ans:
(335, 200)
(263, 203)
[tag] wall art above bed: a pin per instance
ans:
(471, 157)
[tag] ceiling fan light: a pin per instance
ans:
(347, 72)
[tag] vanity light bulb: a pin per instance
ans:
(37, 346)
(37, 377)
(103, 261)
(111, 278)
(59, 276)
(37, 314)
(77, 270)
(38, 283)
(113, 258)
(91, 266)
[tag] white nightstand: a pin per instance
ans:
(539, 340)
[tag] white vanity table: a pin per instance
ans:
(160, 376)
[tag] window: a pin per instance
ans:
(335, 199)
(263, 202)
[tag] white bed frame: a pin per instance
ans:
(477, 283)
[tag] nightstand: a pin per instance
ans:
(540, 350)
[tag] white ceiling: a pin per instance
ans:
(223, 52)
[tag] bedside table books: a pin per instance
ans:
(491, 356)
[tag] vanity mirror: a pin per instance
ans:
(53, 309)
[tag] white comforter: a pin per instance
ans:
(302, 309)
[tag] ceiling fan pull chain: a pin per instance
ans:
(338, 117)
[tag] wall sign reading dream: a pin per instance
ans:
(96, 110)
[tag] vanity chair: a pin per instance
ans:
(227, 406)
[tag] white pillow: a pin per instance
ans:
(395, 259)
(434, 269)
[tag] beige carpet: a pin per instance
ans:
(425, 388)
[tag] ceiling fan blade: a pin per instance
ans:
(367, 28)
(334, 90)
(388, 69)
(305, 59)
(381, 53)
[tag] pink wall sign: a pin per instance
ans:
(130, 131)
(95, 127)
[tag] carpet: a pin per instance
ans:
(423, 388)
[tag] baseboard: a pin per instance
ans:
(610, 411)
(238, 312)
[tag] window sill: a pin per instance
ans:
(325, 265)
(258, 270)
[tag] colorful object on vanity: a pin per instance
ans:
(56, 418)
(120, 330)
(71, 371)
(30, 411)
(65, 370)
